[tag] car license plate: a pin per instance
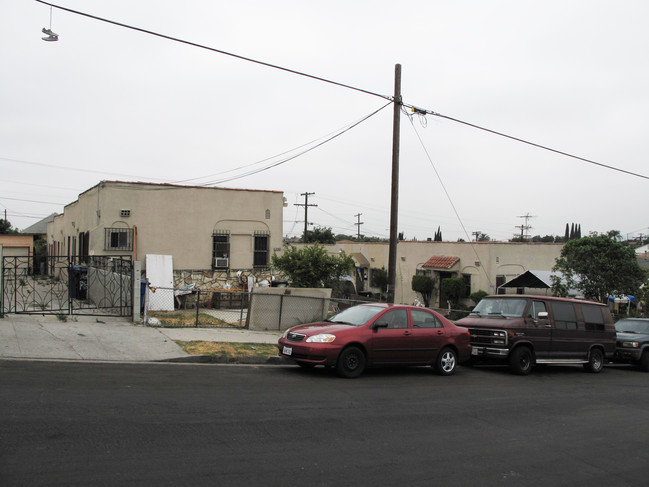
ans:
(287, 350)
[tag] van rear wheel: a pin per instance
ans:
(595, 361)
(521, 361)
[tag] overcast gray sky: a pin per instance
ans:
(105, 102)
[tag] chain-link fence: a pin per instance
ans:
(191, 307)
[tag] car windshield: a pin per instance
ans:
(632, 326)
(512, 307)
(356, 315)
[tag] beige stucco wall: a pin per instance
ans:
(484, 261)
(172, 220)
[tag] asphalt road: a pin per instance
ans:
(184, 424)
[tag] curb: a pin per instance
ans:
(222, 359)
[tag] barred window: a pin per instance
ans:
(261, 250)
(221, 250)
(118, 239)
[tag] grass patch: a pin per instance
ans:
(188, 318)
(229, 351)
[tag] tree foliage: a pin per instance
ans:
(5, 227)
(379, 278)
(323, 235)
(438, 235)
(478, 295)
(453, 289)
(312, 266)
(424, 285)
(599, 267)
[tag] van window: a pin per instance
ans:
(565, 317)
(536, 308)
(593, 317)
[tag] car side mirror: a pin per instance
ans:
(379, 324)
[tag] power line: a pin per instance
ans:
(32, 201)
(420, 111)
(287, 159)
(68, 168)
(237, 56)
(283, 161)
(414, 109)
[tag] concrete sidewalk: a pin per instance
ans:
(106, 339)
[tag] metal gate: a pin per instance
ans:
(100, 285)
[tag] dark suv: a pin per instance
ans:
(526, 330)
(633, 342)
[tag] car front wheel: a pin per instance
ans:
(446, 362)
(351, 363)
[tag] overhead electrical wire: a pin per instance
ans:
(220, 51)
(287, 159)
(78, 169)
(448, 196)
(327, 139)
(421, 111)
(391, 99)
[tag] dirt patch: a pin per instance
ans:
(230, 351)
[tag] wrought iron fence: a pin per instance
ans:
(99, 286)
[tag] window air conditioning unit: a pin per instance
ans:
(221, 263)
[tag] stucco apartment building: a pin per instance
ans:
(204, 229)
(483, 265)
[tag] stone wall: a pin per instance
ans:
(206, 280)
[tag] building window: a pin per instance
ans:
(261, 250)
(267, 214)
(221, 250)
(118, 239)
(500, 280)
(467, 284)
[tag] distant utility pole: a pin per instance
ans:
(525, 227)
(306, 212)
(476, 235)
(358, 224)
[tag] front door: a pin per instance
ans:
(392, 343)
(539, 329)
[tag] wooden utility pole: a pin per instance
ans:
(358, 224)
(306, 212)
(394, 206)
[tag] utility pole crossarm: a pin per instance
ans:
(306, 213)
(358, 224)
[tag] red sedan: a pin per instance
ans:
(378, 334)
